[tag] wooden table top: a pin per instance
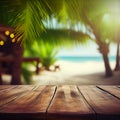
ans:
(65, 102)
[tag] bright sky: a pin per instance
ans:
(85, 50)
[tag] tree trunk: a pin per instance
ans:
(1, 80)
(104, 50)
(108, 70)
(117, 66)
(16, 72)
(17, 65)
(0, 75)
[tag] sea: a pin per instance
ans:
(84, 58)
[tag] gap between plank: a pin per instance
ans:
(108, 92)
(87, 102)
(51, 99)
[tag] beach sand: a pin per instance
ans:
(71, 73)
(74, 73)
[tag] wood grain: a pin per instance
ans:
(68, 103)
(9, 95)
(6, 87)
(105, 105)
(33, 105)
(65, 102)
(113, 90)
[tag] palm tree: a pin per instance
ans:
(27, 16)
(51, 41)
(117, 66)
(92, 13)
(28, 19)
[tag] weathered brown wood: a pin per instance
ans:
(105, 105)
(118, 86)
(14, 88)
(4, 28)
(4, 87)
(68, 104)
(1, 82)
(30, 106)
(11, 54)
(31, 102)
(113, 90)
(8, 58)
(9, 95)
(33, 59)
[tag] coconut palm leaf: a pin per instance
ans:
(51, 43)
(47, 53)
(27, 16)
(91, 13)
(64, 37)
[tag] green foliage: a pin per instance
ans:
(51, 41)
(27, 16)
(47, 53)
(93, 13)
(27, 75)
(64, 37)
(28, 20)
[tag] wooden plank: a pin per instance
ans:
(31, 106)
(113, 90)
(6, 88)
(33, 59)
(11, 94)
(105, 105)
(15, 90)
(69, 104)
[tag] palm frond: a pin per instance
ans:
(64, 37)
(27, 16)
